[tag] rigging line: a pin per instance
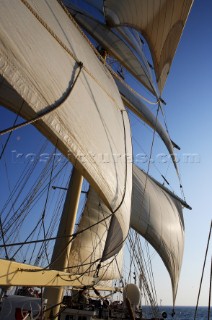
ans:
(9, 136)
(36, 226)
(147, 91)
(20, 184)
(44, 113)
(150, 156)
(9, 188)
(54, 238)
(132, 246)
(151, 271)
(152, 162)
(178, 173)
(120, 274)
(101, 58)
(24, 211)
(45, 205)
(22, 180)
(203, 268)
(41, 192)
(139, 260)
(28, 205)
(139, 145)
(23, 243)
(3, 240)
(151, 279)
(33, 250)
(150, 275)
(32, 241)
(165, 121)
(141, 121)
(53, 223)
(209, 297)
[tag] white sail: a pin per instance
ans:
(41, 52)
(88, 248)
(161, 22)
(128, 53)
(158, 217)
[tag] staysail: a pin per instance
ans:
(161, 22)
(49, 70)
(157, 216)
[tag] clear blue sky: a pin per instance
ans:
(188, 93)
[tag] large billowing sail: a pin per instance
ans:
(42, 54)
(161, 22)
(158, 217)
(94, 242)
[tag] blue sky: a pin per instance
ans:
(188, 93)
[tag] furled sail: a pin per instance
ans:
(91, 245)
(157, 216)
(161, 22)
(48, 69)
(120, 44)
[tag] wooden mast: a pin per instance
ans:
(62, 246)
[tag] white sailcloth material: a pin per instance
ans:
(38, 65)
(161, 22)
(88, 247)
(158, 218)
(120, 44)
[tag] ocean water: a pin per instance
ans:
(183, 313)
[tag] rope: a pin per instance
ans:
(44, 113)
(8, 138)
(209, 298)
(3, 240)
(150, 156)
(206, 252)
(177, 167)
(147, 280)
(45, 205)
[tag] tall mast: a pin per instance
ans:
(60, 256)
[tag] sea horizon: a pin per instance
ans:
(181, 312)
